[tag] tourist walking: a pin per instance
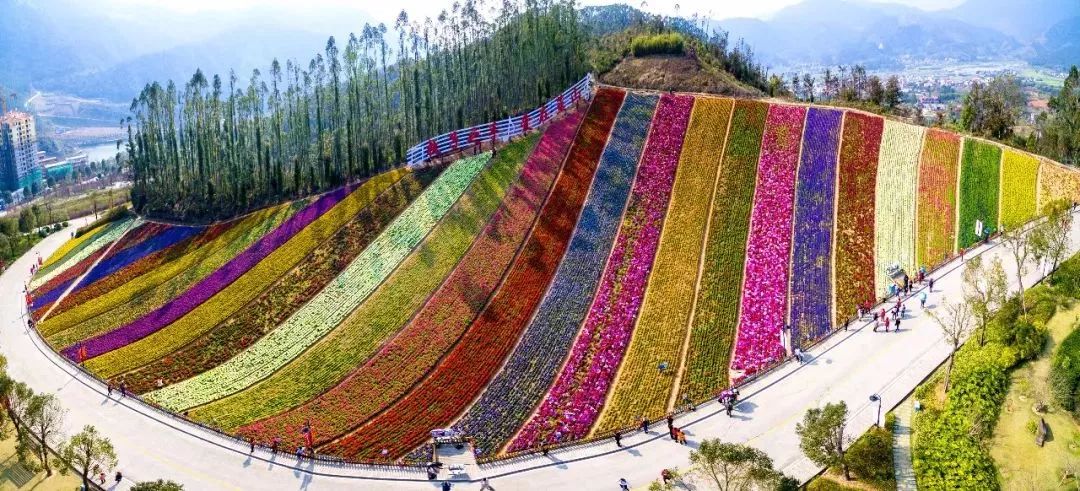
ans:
(485, 486)
(119, 477)
(666, 476)
(123, 389)
(110, 386)
(670, 421)
(886, 322)
(680, 436)
(922, 300)
(644, 424)
(251, 440)
(446, 486)
(931, 285)
(623, 485)
(618, 439)
(896, 325)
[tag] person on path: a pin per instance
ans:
(446, 486)
(119, 477)
(670, 421)
(672, 433)
(681, 436)
(300, 452)
(896, 324)
(101, 478)
(875, 321)
(123, 389)
(922, 300)
(903, 311)
(274, 445)
(846, 322)
(886, 322)
(618, 439)
(623, 485)
(485, 485)
(665, 475)
(251, 440)
(931, 284)
(644, 424)
(110, 386)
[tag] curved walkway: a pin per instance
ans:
(848, 366)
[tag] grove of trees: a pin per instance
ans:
(215, 147)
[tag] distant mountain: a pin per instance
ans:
(1025, 20)
(876, 35)
(67, 46)
(1060, 46)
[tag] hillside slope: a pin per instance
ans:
(675, 73)
(642, 250)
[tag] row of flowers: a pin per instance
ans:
(84, 250)
(1019, 178)
(512, 393)
(55, 287)
(894, 215)
(573, 404)
(142, 266)
(1057, 182)
(326, 310)
(811, 257)
(716, 310)
(432, 332)
(140, 295)
(456, 382)
(216, 297)
(979, 185)
(764, 295)
(49, 291)
(937, 197)
(532, 366)
(856, 181)
(642, 389)
(117, 260)
(385, 311)
(288, 293)
(73, 245)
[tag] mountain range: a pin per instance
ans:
(70, 47)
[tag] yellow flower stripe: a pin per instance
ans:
(640, 388)
(894, 215)
(1058, 182)
(1019, 172)
(148, 291)
(248, 286)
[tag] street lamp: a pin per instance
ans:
(876, 398)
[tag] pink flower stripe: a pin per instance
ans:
(764, 298)
(573, 404)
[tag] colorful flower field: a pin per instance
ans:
(637, 252)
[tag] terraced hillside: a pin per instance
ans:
(637, 252)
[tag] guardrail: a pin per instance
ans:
(502, 130)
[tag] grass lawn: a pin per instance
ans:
(1020, 462)
(12, 474)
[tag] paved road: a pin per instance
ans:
(849, 366)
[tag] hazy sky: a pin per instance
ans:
(386, 11)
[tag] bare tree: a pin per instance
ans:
(46, 416)
(985, 290)
(1019, 244)
(1056, 228)
(955, 322)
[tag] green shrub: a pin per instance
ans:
(870, 457)
(1065, 373)
(822, 484)
(658, 44)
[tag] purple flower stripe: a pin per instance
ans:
(513, 394)
(764, 298)
(211, 285)
(574, 402)
(811, 289)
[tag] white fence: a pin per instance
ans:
(502, 130)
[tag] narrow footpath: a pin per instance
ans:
(849, 366)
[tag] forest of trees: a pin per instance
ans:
(216, 147)
(1059, 129)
